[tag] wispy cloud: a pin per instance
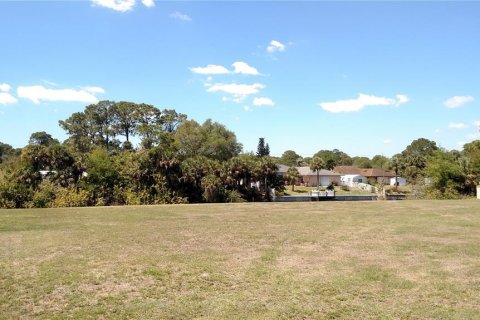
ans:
(5, 87)
(474, 136)
(239, 67)
(275, 46)
(401, 99)
(263, 102)
(39, 94)
(210, 69)
(362, 101)
(387, 141)
(457, 125)
(457, 101)
(243, 68)
(117, 5)
(5, 96)
(94, 90)
(180, 16)
(122, 5)
(236, 89)
(148, 3)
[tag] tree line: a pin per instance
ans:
(178, 160)
(435, 172)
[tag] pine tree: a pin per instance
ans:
(262, 148)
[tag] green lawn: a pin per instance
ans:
(322, 260)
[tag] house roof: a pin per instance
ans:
(305, 171)
(343, 170)
(282, 168)
(371, 173)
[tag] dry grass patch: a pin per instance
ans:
(369, 260)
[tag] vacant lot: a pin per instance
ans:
(358, 260)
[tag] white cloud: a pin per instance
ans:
(401, 99)
(50, 83)
(180, 16)
(362, 101)
(94, 90)
(210, 69)
(38, 94)
(456, 125)
(236, 89)
(122, 5)
(236, 99)
(244, 68)
(474, 136)
(149, 3)
(5, 87)
(457, 101)
(263, 102)
(476, 123)
(275, 46)
(247, 108)
(117, 5)
(387, 141)
(7, 98)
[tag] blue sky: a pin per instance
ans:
(363, 77)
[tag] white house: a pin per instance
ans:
(401, 181)
(350, 179)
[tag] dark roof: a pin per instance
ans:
(343, 170)
(305, 171)
(369, 173)
(374, 173)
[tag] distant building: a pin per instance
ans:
(372, 173)
(308, 177)
(399, 180)
(351, 179)
(326, 177)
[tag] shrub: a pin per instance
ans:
(45, 195)
(13, 195)
(345, 188)
(69, 197)
(448, 193)
(234, 196)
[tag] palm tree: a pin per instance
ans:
(317, 164)
(292, 175)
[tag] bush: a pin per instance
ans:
(45, 195)
(69, 197)
(13, 195)
(345, 188)
(448, 193)
(234, 196)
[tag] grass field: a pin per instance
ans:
(321, 260)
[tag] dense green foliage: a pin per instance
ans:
(179, 161)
